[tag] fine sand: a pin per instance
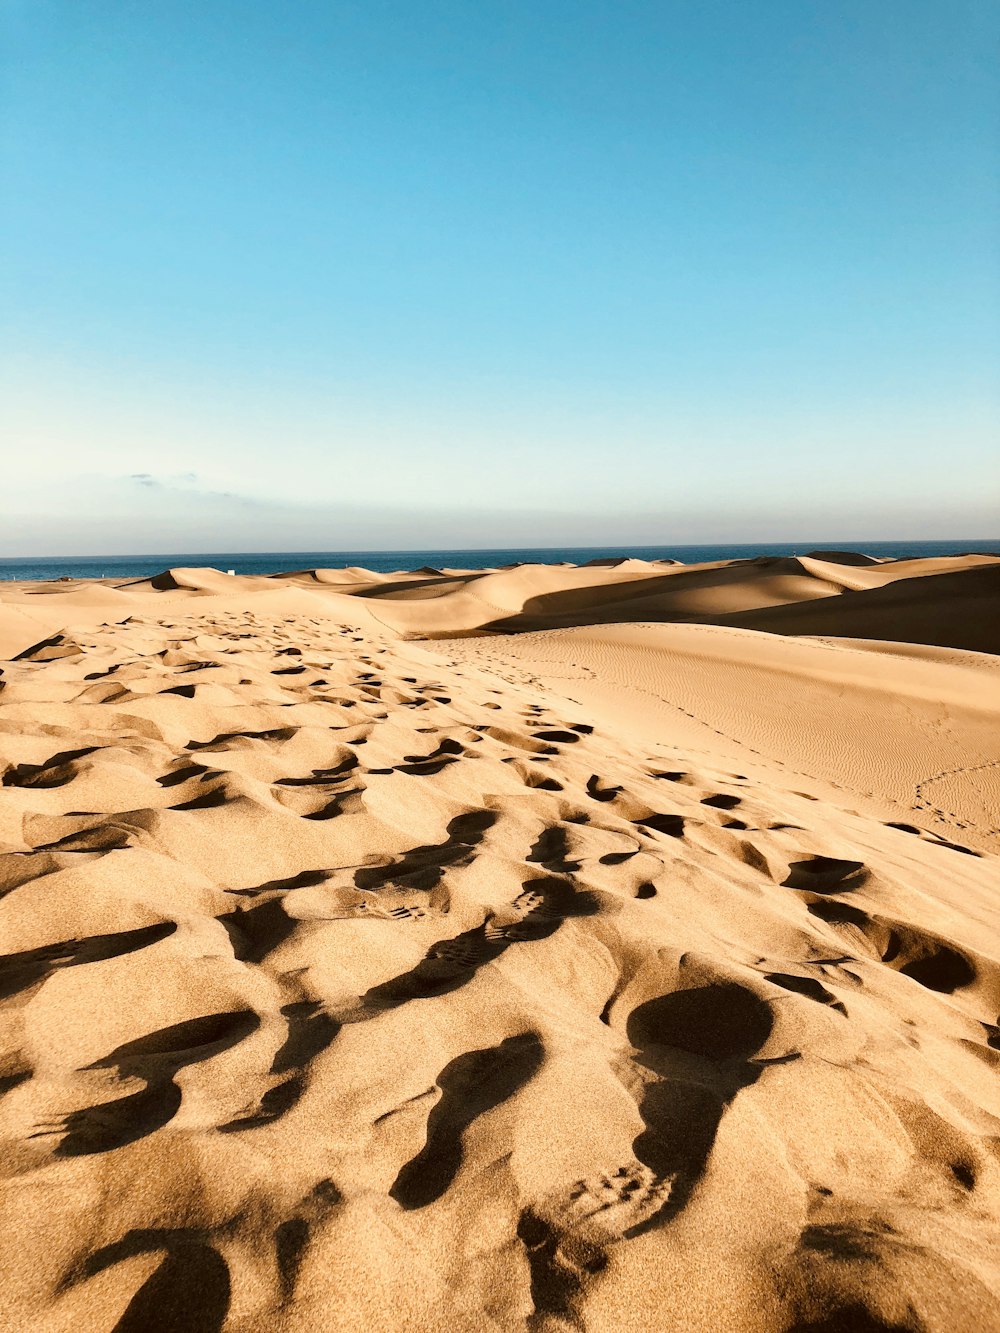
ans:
(551, 948)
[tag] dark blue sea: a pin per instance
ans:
(277, 562)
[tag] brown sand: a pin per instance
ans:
(366, 966)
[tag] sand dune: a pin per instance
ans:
(788, 595)
(955, 609)
(463, 950)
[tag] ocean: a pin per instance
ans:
(278, 562)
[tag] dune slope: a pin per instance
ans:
(616, 976)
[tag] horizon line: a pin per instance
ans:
(853, 544)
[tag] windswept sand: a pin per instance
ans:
(553, 948)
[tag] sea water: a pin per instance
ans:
(278, 562)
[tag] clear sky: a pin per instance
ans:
(388, 273)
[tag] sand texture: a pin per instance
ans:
(553, 948)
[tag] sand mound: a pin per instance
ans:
(439, 603)
(629, 975)
(842, 557)
(955, 610)
(432, 603)
(204, 580)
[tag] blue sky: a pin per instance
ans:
(333, 275)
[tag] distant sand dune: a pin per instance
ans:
(543, 949)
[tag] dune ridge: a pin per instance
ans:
(945, 601)
(551, 948)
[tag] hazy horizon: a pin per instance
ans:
(920, 546)
(575, 539)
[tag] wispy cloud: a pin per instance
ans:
(189, 484)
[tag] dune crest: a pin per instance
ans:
(552, 948)
(945, 601)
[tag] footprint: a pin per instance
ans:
(208, 800)
(305, 879)
(599, 793)
(551, 849)
(470, 1086)
(406, 913)
(722, 1025)
(447, 966)
(257, 931)
(22, 971)
(275, 1103)
(721, 801)
(155, 1058)
(423, 867)
(926, 958)
(825, 874)
(183, 774)
(567, 1236)
(838, 913)
(808, 986)
(291, 1237)
(98, 838)
(671, 825)
(323, 776)
(57, 771)
(543, 904)
(229, 740)
(537, 781)
(310, 1031)
(189, 1290)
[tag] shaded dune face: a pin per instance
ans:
(350, 984)
(949, 601)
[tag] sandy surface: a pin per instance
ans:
(603, 948)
